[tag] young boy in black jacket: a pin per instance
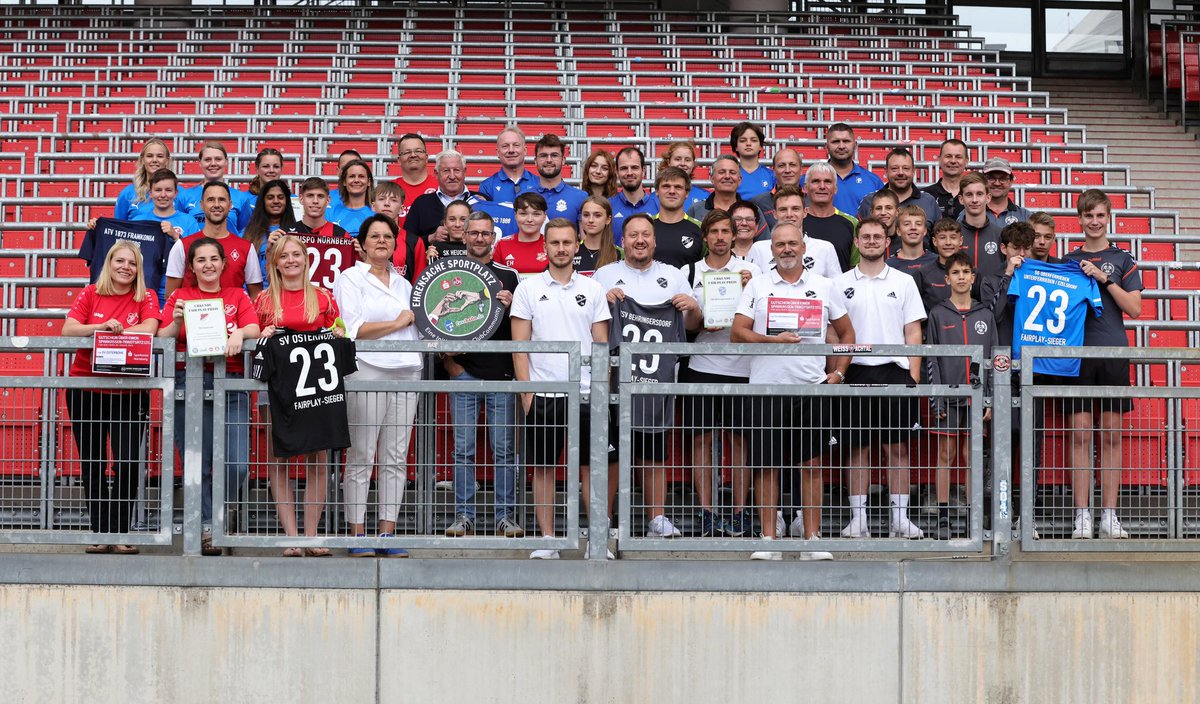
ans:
(960, 320)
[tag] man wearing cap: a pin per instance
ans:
(999, 176)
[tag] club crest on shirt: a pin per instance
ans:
(131, 318)
(687, 242)
(561, 207)
(848, 293)
(230, 309)
(981, 327)
(810, 294)
(662, 282)
(1010, 219)
(581, 300)
(235, 255)
(990, 248)
(1108, 268)
(809, 263)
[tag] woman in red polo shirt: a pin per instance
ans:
(118, 303)
(206, 262)
(293, 303)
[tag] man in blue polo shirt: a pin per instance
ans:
(563, 200)
(632, 198)
(855, 182)
(513, 178)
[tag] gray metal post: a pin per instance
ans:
(193, 437)
(598, 508)
(1002, 480)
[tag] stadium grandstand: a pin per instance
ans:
(958, 536)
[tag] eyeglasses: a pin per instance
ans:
(744, 221)
(481, 233)
(413, 152)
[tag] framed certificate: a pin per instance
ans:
(722, 292)
(127, 354)
(803, 316)
(204, 321)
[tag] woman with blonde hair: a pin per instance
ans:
(120, 301)
(135, 198)
(599, 174)
(292, 302)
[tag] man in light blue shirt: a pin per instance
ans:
(632, 199)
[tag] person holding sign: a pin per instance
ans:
(791, 304)
(663, 302)
(717, 282)
(218, 318)
(119, 304)
(291, 302)
(376, 303)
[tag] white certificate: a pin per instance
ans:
(204, 321)
(722, 292)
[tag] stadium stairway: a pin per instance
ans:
(1154, 145)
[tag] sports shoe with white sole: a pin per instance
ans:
(1083, 526)
(509, 528)
(1017, 530)
(796, 527)
(766, 554)
(904, 528)
(662, 527)
(462, 525)
(780, 525)
(543, 555)
(856, 529)
(1110, 527)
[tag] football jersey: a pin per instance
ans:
(756, 182)
(623, 208)
(1050, 304)
(678, 243)
(562, 202)
(504, 220)
(346, 217)
(527, 258)
(128, 206)
(241, 206)
(305, 376)
(148, 236)
(634, 322)
(411, 193)
(91, 308)
(585, 259)
(327, 257)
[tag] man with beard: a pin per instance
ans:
(632, 199)
(900, 181)
(855, 182)
(819, 256)
(999, 177)
(678, 240)
(562, 200)
(885, 308)
(241, 261)
(791, 304)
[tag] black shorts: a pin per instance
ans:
(874, 418)
(703, 414)
(786, 430)
(1096, 372)
(545, 433)
(956, 422)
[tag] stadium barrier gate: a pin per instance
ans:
(44, 497)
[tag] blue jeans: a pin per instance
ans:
(500, 409)
(237, 443)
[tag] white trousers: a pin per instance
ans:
(380, 430)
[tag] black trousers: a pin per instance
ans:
(118, 420)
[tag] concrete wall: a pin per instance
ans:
(192, 644)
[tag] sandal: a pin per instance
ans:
(98, 549)
(293, 552)
(125, 550)
(317, 552)
(207, 548)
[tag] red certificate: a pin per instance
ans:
(803, 316)
(127, 354)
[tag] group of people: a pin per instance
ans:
(827, 254)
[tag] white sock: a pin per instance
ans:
(858, 508)
(899, 507)
(1079, 512)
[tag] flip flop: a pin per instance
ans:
(125, 550)
(98, 549)
(317, 552)
(293, 552)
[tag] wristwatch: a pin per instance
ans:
(1107, 283)
(840, 373)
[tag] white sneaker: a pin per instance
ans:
(905, 528)
(816, 555)
(1016, 530)
(796, 529)
(1083, 526)
(543, 555)
(1110, 527)
(856, 529)
(661, 527)
(766, 554)
(611, 556)
(780, 525)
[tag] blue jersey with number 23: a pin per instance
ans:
(1050, 304)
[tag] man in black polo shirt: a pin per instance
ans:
(788, 172)
(677, 235)
(900, 181)
(499, 408)
(953, 158)
(425, 214)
